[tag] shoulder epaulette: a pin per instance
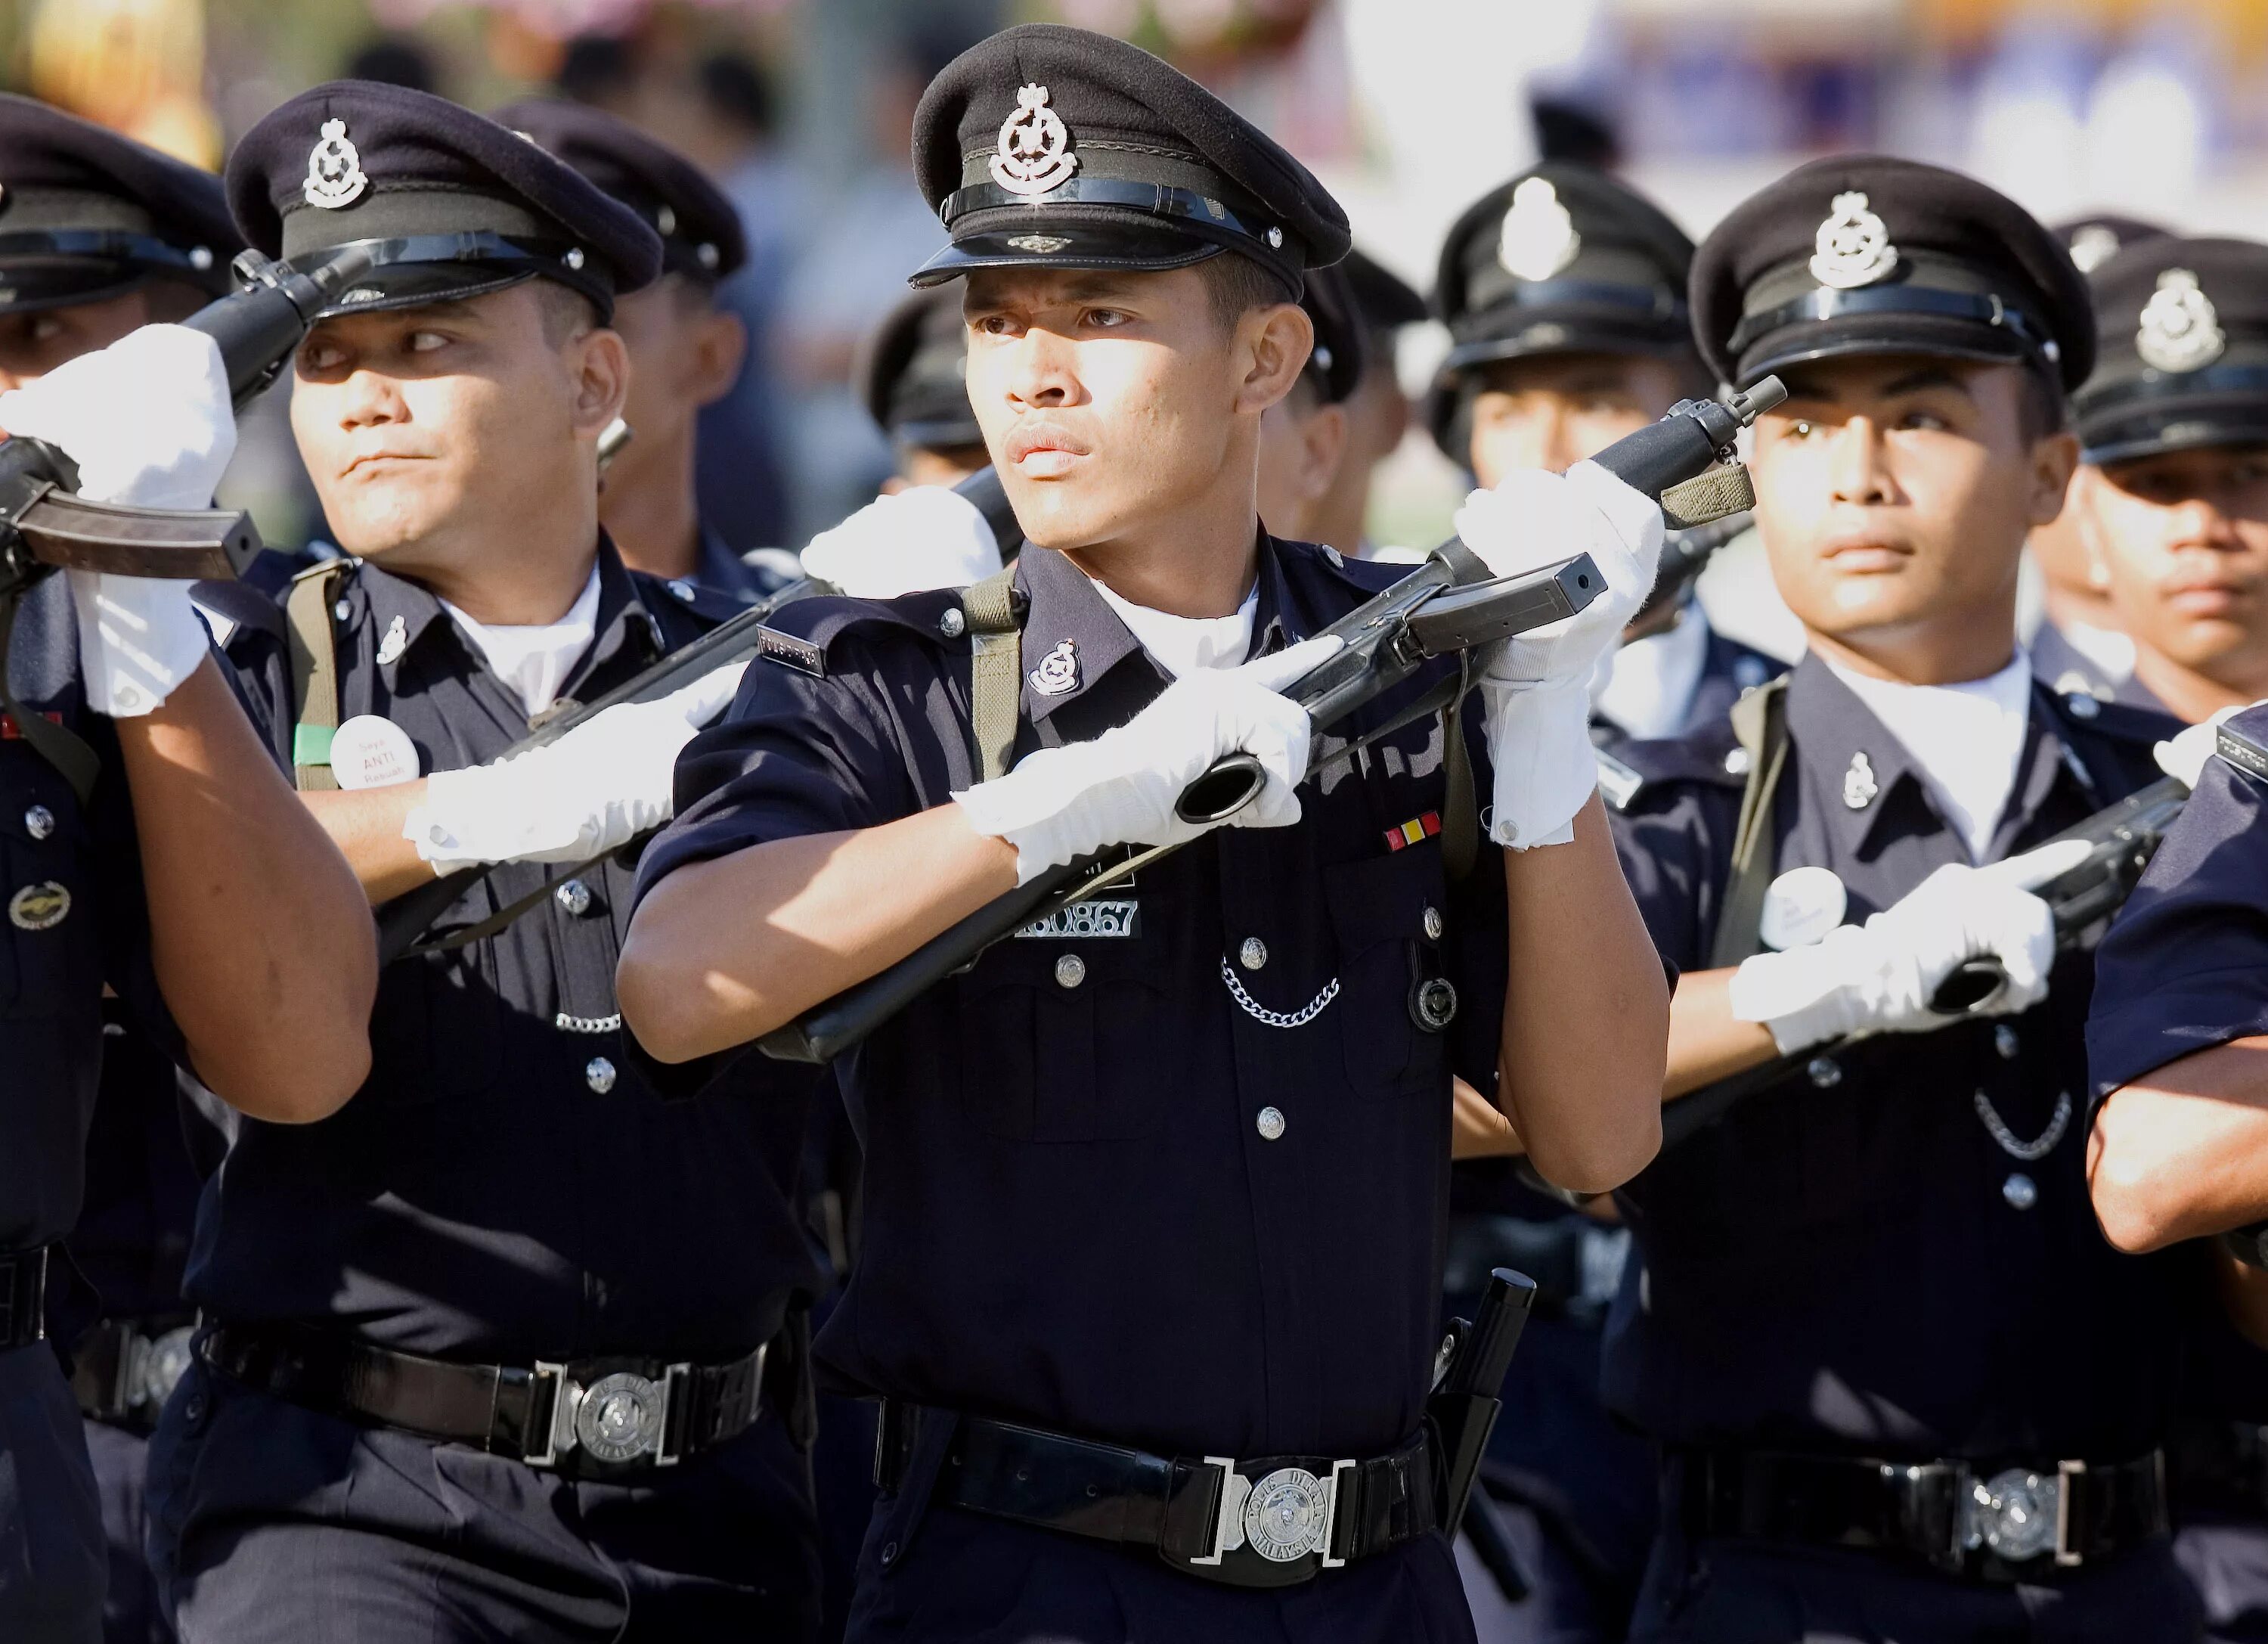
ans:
(1710, 758)
(802, 633)
(2239, 746)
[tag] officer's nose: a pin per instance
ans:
(1859, 470)
(1556, 448)
(2198, 522)
(1041, 375)
(369, 399)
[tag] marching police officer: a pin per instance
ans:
(912, 376)
(686, 347)
(1378, 411)
(2080, 644)
(146, 843)
(1161, 1179)
(2172, 503)
(507, 1346)
(1306, 438)
(1564, 292)
(2176, 510)
(1860, 1280)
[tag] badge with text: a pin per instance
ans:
(1800, 907)
(370, 752)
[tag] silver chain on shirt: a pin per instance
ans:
(2041, 1146)
(1277, 1018)
(586, 1024)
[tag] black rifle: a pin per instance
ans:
(2122, 839)
(407, 918)
(1468, 1391)
(1449, 604)
(44, 527)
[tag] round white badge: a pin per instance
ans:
(369, 752)
(1800, 907)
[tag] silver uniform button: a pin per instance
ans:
(575, 896)
(2080, 705)
(953, 624)
(2006, 1041)
(1826, 1073)
(38, 822)
(683, 589)
(599, 1074)
(1736, 762)
(1253, 955)
(1071, 970)
(1333, 556)
(342, 610)
(1434, 925)
(1270, 1122)
(2020, 1191)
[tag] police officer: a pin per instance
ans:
(2080, 644)
(2172, 505)
(1306, 438)
(508, 1347)
(1564, 292)
(1864, 1284)
(1378, 411)
(912, 376)
(1162, 1180)
(225, 911)
(686, 347)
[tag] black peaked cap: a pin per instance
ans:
(1863, 254)
(455, 204)
(912, 372)
(1116, 160)
(700, 231)
(1563, 259)
(1385, 301)
(86, 214)
(2182, 357)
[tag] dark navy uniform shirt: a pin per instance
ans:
(1074, 1212)
(70, 878)
(505, 1186)
(2185, 967)
(1841, 1263)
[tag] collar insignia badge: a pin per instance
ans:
(395, 641)
(1034, 147)
(1538, 237)
(1858, 784)
(1852, 247)
(2180, 329)
(1057, 673)
(335, 173)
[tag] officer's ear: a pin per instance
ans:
(1323, 435)
(2085, 504)
(1273, 345)
(720, 342)
(2054, 459)
(599, 371)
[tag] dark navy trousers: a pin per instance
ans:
(2226, 1558)
(274, 1525)
(130, 1611)
(51, 1549)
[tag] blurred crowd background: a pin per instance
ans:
(1408, 108)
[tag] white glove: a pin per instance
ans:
(1064, 803)
(928, 537)
(2184, 756)
(1536, 688)
(148, 421)
(596, 788)
(1878, 978)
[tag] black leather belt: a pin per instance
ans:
(598, 1417)
(1276, 1521)
(2009, 1524)
(124, 1370)
(23, 1296)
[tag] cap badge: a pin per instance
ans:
(1041, 245)
(2180, 330)
(334, 176)
(2094, 246)
(1853, 246)
(1538, 239)
(1035, 146)
(1057, 673)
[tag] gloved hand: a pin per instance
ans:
(928, 537)
(1536, 688)
(148, 421)
(596, 788)
(1064, 803)
(1878, 978)
(2184, 756)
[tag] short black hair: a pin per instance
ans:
(394, 59)
(1237, 284)
(565, 312)
(595, 68)
(2043, 407)
(734, 89)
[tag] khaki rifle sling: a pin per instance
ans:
(1461, 816)
(314, 675)
(1760, 721)
(996, 670)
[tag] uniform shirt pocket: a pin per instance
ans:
(1394, 1000)
(50, 949)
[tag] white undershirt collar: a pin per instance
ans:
(534, 662)
(1182, 645)
(1966, 740)
(1646, 687)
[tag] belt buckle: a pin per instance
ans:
(2018, 1515)
(1283, 1516)
(150, 1366)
